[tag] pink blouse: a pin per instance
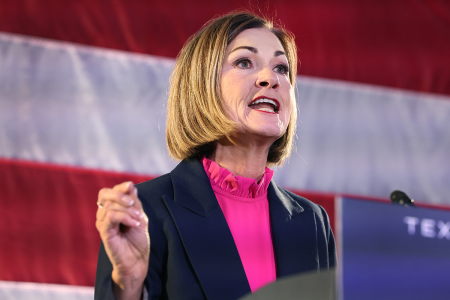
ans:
(245, 205)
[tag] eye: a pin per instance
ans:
(243, 63)
(282, 69)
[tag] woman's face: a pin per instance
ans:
(256, 90)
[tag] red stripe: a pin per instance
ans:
(48, 220)
(392, 43)
(48, 212)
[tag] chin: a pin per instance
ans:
(263, 128)
(270, 132)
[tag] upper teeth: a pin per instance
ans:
(265, 100)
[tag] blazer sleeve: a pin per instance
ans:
(331, 244)
(103, 281)
(104, 285)
(152, 284)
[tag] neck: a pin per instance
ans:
(246, 160)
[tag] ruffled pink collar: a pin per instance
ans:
(236, 185)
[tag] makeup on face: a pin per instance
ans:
(256, 89)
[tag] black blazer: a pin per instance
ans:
(192, 252)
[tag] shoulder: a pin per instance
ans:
(161, 185)
(307, 205)
(187, 170)
(151, 193)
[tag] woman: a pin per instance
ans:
(217, 227)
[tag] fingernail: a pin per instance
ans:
(138, 223)
(137, 213)
(127, 200)
(135, 191)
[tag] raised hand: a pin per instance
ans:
(123, 228)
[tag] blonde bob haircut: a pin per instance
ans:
(196, 119)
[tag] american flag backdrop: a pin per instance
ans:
(83, 91)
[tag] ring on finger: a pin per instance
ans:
(99, 205)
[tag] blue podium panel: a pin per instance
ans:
(393, 252)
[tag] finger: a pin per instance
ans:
(133, 195)
(107, 194)
(130, 190)
(113, 219)
(110, 205)
(126, 187)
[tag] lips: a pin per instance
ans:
(265, 104)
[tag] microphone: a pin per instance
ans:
(400, 198)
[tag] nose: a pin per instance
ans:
(268, 79)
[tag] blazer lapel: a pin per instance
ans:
(205, 234)
(294, 233)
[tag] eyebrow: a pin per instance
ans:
(254, 50)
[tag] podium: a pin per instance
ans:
(392, 252)
(384, 252)
(310, 286)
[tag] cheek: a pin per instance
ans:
(290, 102)
(235, 90)
(287, 93)
(227, 94)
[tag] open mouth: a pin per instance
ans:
(265, 104)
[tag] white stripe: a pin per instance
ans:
(366, 140)
(10, 290)
(65, 106)
(56, 45)
(77, 105)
